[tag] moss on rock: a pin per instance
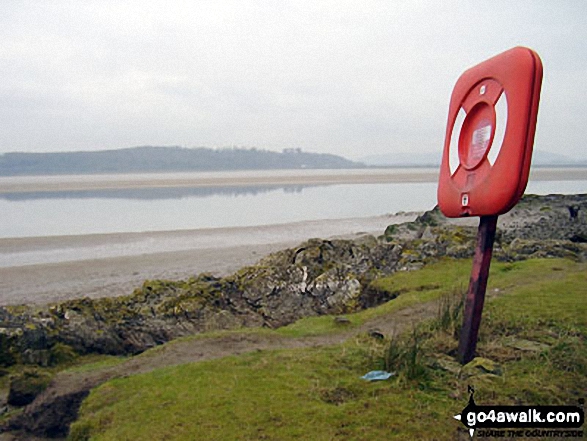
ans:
(24, 387)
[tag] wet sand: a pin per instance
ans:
(20, 184)
(129, 259)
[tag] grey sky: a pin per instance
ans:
(344, 77)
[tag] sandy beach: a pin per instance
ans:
(20, 184)
(115, 264)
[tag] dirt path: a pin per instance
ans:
(56, 408)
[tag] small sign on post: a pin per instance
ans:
(486, 159)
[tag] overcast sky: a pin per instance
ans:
(349, 78)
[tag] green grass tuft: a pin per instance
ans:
(317, 393)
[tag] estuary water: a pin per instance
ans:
(125, 211)
(130, 210)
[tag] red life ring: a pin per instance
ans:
(490, 134)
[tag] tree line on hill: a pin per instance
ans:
(165, 159)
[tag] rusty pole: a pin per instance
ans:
(477, 287)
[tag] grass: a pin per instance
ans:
(95, 362)
(297, 394)
(317, 393)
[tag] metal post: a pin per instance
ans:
(477, 286)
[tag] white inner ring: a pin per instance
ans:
(501, 122)
(453, 152)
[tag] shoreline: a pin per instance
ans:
(47, 269)
(128, 259)
(56, 183)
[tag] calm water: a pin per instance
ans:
(88, 212)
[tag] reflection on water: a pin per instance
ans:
(193, 208)
(154, 193)
(165, 209)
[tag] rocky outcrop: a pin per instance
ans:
(538, 226)
(317, 277)
(551, 217)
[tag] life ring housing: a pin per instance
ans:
(490, 134)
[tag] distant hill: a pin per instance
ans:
(165, 159)
(540, 158)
